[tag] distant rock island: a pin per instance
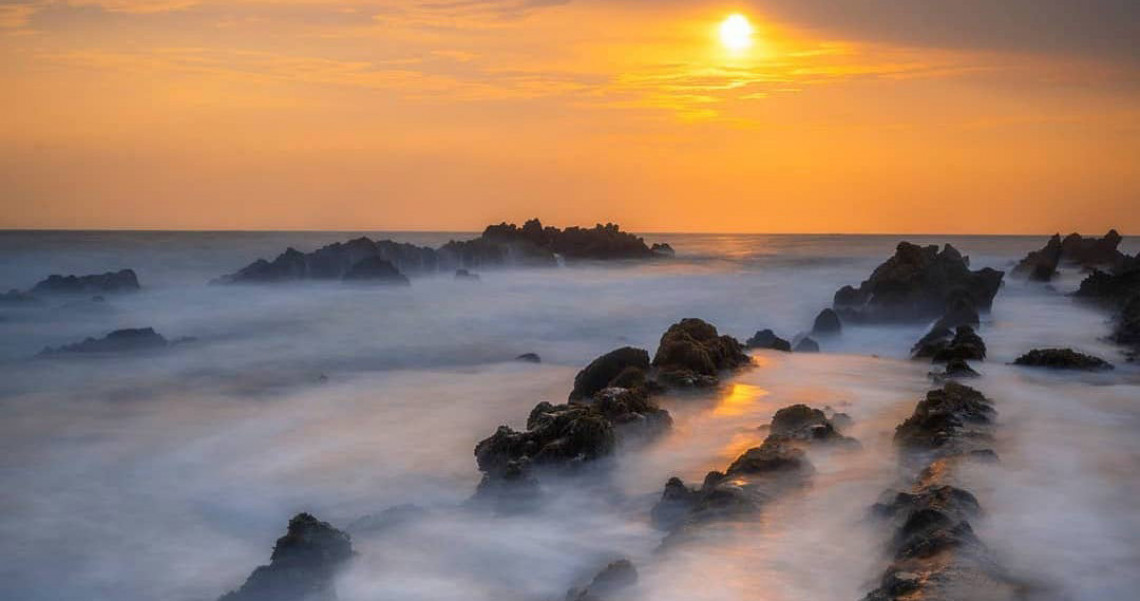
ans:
(505, 244)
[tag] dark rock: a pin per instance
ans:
(1041, 265)
(1116, 288)
(958, 368)
(602, 372)
(1088, 252)
(1062, 358)
(375, 270)
(119, 341)
(807, 345)
(15, 297)
(123, 280)
(775, 455)
(663, 249)
(944, 417)
(803, 423)
(600, 243)
(692, 353)
(827, 323)
(608, 585)
(941, 347)
(767, 339)
(463, 274)
(529, 358)
(303, 566)
(917, 283)
(930, 521)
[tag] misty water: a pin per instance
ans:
(167, 476)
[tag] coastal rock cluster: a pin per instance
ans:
(933, 550)
(128, 340)
(1087, 253)
(385, 261)
(1119, 291)
(111, 282)
(611, 401)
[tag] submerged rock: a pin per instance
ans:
(767, 339)
(918, 283)
(827, 323)
(375, 270)
(940, 347)
(111, 282)
(303, 566)
(529, 358)
(1062, 358)
(807, 345)
(119, 341)
(693, 353)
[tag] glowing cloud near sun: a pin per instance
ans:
(736, 33)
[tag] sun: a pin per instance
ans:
(736, 32)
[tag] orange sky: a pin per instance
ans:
(846, 116)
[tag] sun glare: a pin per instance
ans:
(736, 33)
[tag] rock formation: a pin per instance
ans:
(303, 566)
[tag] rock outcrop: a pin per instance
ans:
(1120, 292)
(806, 345)
(918, 283)
(767, 339)
(610, 584)
(941, 346)
(499, 245)
(625, 367)
(1062, 358)
(754, 478)
(375, 270)
(827, 323)
(933, 550)
(111, 282)
(303, 566)
(1041, 265)
(692, 354)
(120, 341)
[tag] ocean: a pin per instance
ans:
(168, 475)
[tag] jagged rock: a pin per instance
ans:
(827, 323)
(775, 455)
(917, 283)
(608, 584)
(463, 274)
(1062, 358)
(956, 368)
(1089, 252)
(600, 243)
(375, 270)
(1122, 291)
(1041, 265)
(603, 372)
(663, 249)
(940, 346)
(529, 358)
(692, 353)
(807, 345)
(767, 339)
(119, 341)
(303, 566)
(931, 521)
(123, 280)
(944, 417)
(803, 423)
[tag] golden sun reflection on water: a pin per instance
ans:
(740, 398)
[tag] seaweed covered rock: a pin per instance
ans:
(692, 353)
(119, 341)
(933, 520)
(941, 347)
(556, 435)
(377, 271)
(608, 585)
(303, 566)
(111, 282)
(620, 367)
(946, 416)
(1062, 358)
(767, 339)
(827, 323)
(918, 282)
(803, 423)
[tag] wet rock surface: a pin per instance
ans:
(303, 566)
(120, 341)
(124, 280)
(767, 339)
(692, 354)
(944, 419)
(941, 347)
(1062, 358)
(918, 282)
(621, 367)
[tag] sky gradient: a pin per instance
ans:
(974, 116)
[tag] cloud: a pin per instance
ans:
(1090, 28)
